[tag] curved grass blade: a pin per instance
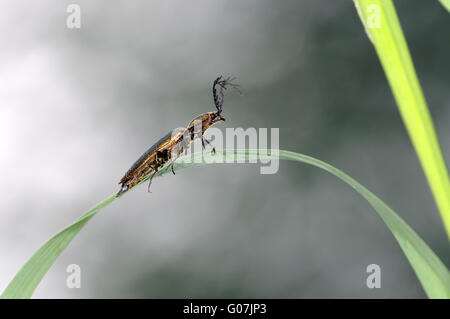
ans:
(383, 29)
(446, 4)
(432, 273)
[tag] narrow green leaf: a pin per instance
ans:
(446, 4)
(432, 273)
(383, 29)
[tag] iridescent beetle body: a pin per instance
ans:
(171, 146)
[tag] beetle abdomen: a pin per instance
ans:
(156, 156)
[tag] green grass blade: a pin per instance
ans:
(432, 273)
(446, 4)
(383, 28)
(29, 276)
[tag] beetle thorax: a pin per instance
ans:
(203, 121)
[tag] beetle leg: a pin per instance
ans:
(171, 166)
(150, 182)
(204, 140)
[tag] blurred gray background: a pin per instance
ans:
(78, 106)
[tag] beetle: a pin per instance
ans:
(169, 147)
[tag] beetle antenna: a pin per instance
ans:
(222, 84)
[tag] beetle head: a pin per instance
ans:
(208, 119)
(216, 117)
